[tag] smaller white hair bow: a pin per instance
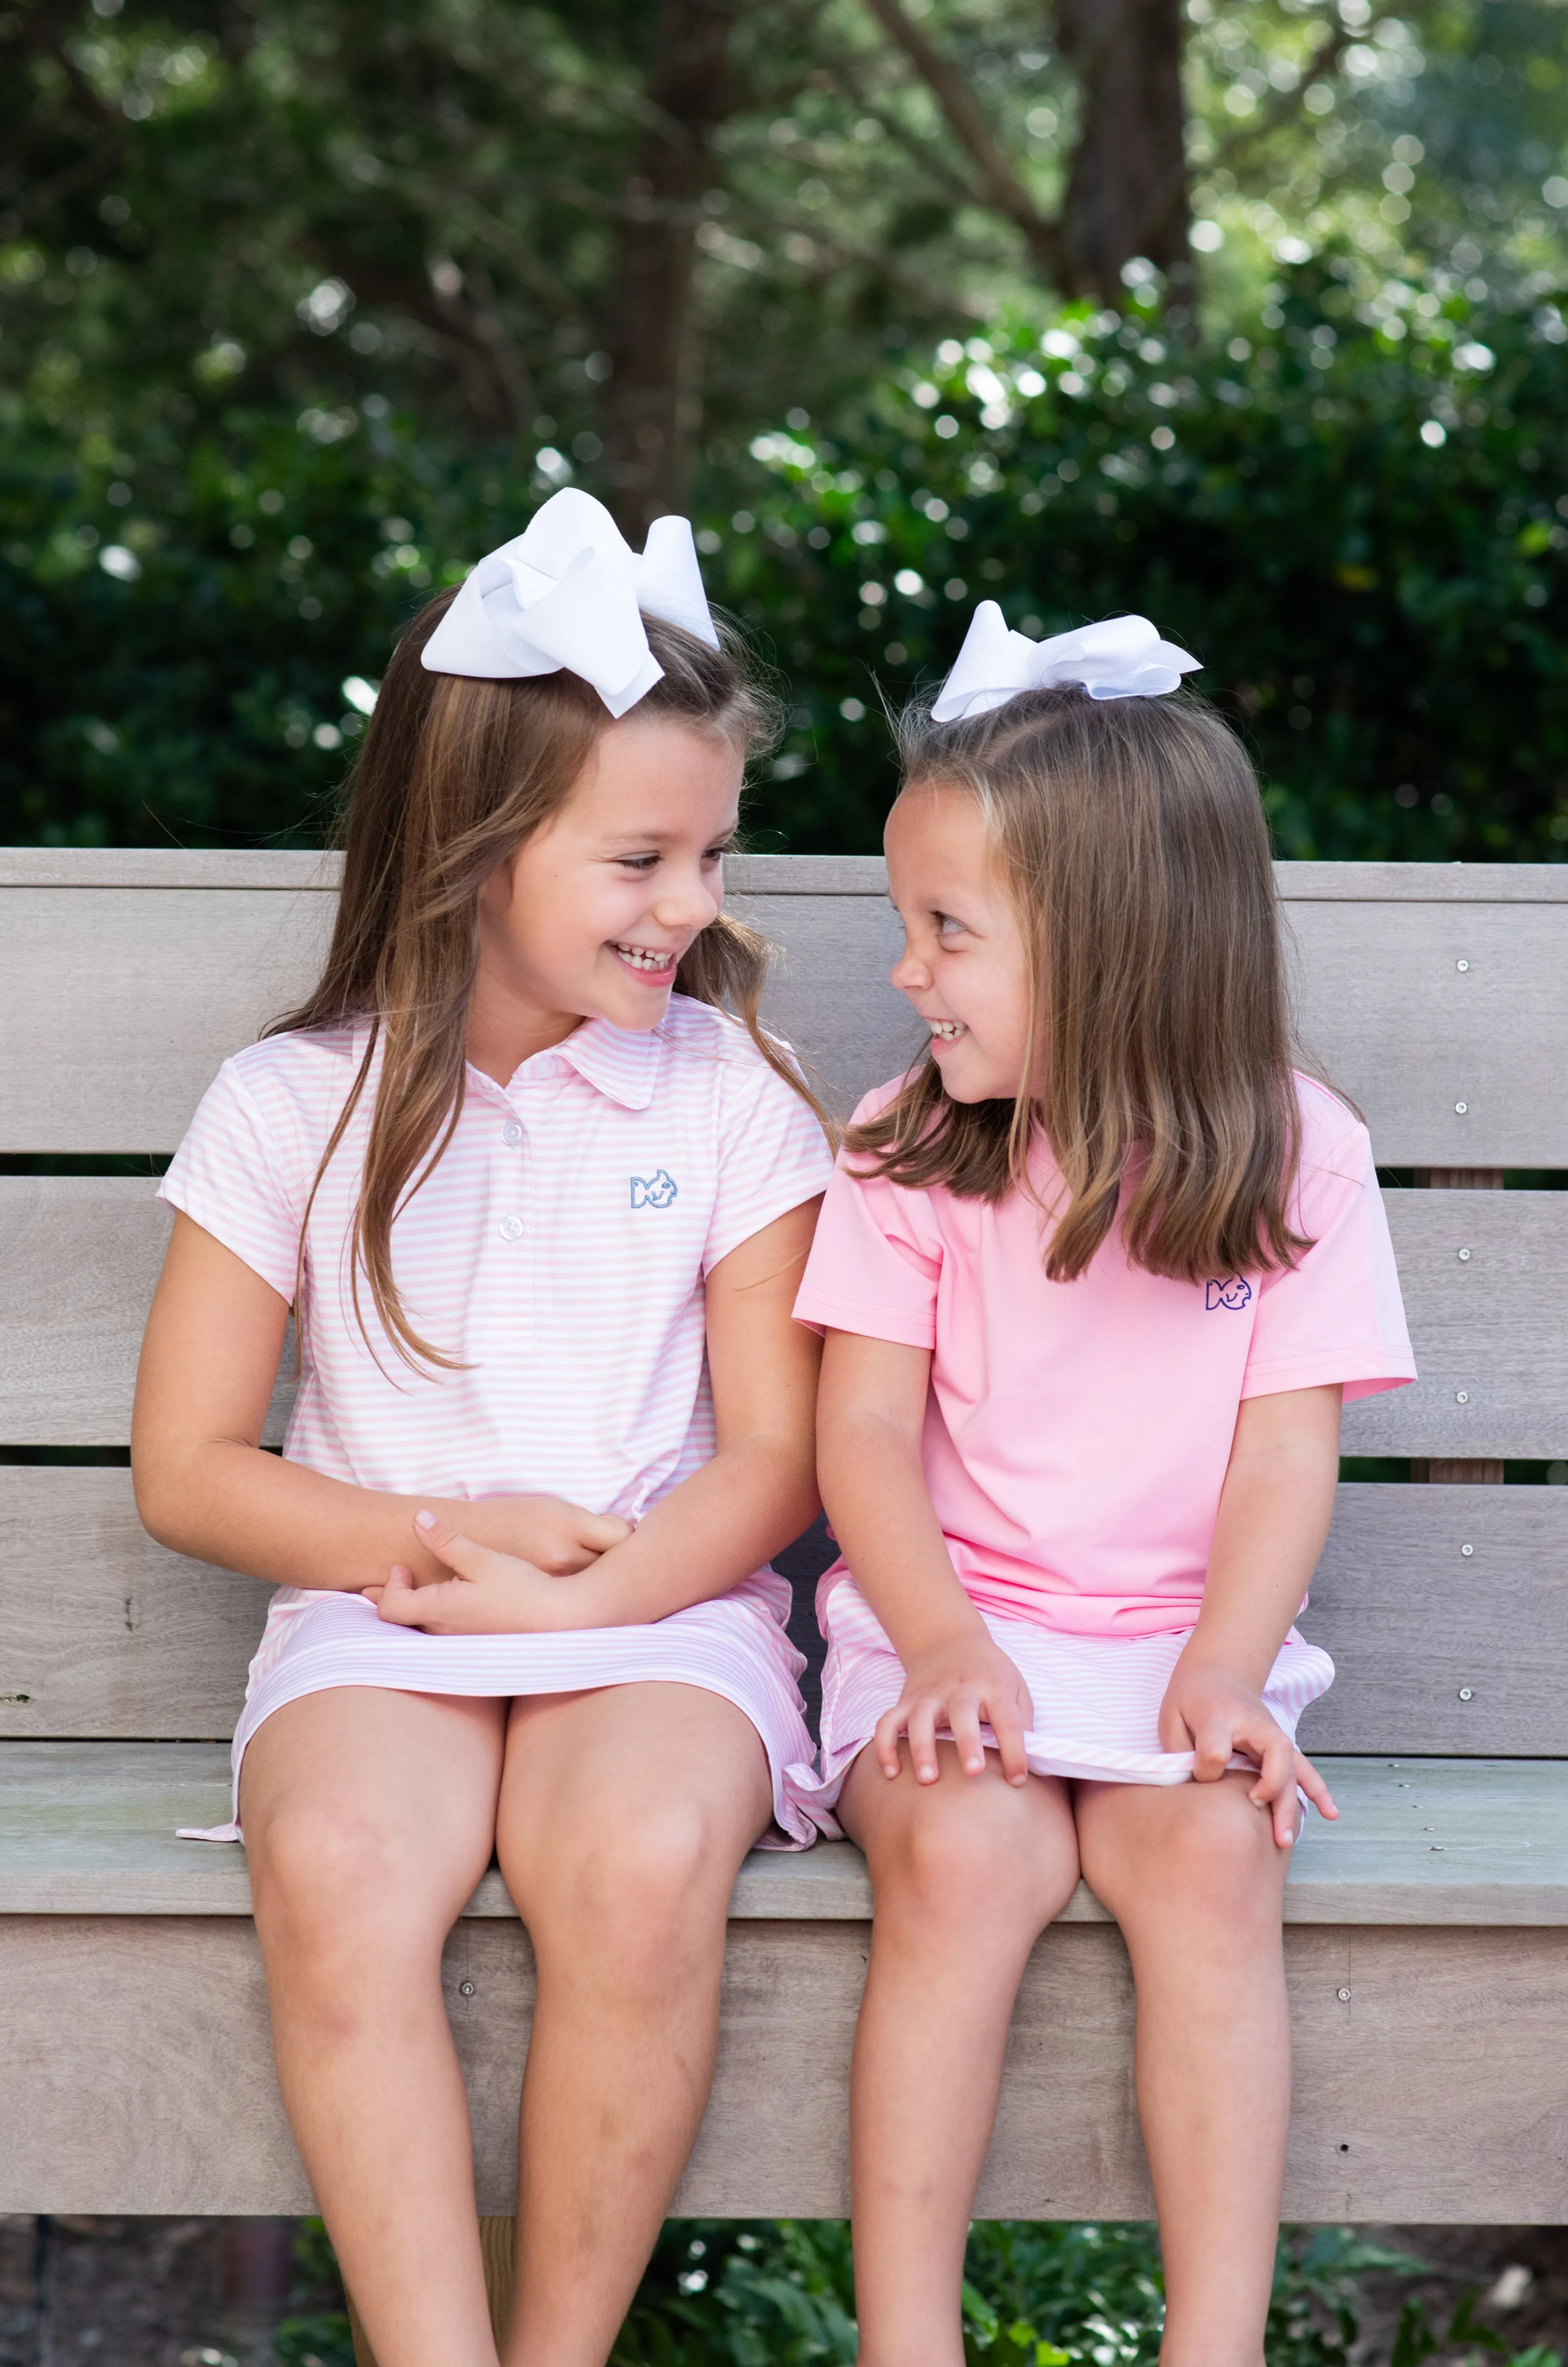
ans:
(571, 592)
(1121, 657)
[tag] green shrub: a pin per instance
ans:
(1356, 523)
(781, 2294)
(1357, 517)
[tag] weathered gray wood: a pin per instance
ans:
(1490, 1331)
(128, 1641)
(154, 867)
(132, 973)
(105, 1633)
(292, 869)
(80, 1256)
(829, 992)
(1409, 1036)
(1415, 1623)
(121, 1003)
(1424, 883)
(1438, 2090)
(90, 1829)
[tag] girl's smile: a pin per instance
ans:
(591, 918)
(965, 967)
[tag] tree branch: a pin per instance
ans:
(920, 152)
(1286, 104)
(1003, 189)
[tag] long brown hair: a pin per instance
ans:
(452, 777)
(1129, 837)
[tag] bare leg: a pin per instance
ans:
(624, 1819)
(1194, 1876)
(967, 1873)
(368, 1818)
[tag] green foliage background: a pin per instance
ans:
(1352, 511)
(781, 2293)
(303, 305)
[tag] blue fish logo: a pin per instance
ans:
(655, 1191)
(1233, 1294)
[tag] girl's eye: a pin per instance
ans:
(718, 853)
(946, 926)
(636, 862)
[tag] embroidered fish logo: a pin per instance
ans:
(655, 1191)
(1234, 1294)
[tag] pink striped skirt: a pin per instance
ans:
(734, 1646)
(1097, 1698)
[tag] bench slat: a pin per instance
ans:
(1439, 2089)
(1490, 1329)
(1415, 1622)
(89, 1827)
(120, 1004)
(135, 990)
(128, 1641)
(104, 1632)
(81, 1255)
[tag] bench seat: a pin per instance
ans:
(89, 1828)
(1425, 1955)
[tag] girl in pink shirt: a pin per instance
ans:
(540, 1203)
(1095, 1277)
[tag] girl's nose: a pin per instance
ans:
(909, 974)
(689, 904)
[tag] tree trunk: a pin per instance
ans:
(1127, 192)
(651, 408)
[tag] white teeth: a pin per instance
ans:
(641, 958)
(948, 1030)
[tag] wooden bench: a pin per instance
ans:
(1428, 1956)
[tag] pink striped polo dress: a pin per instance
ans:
(559, 1250)
(1078, 1434)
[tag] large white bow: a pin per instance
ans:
(569, 591)
(1122, 657)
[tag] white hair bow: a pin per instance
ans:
(1122, 657)
(569, 591)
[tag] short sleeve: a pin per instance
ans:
(773, 1154)
(230, 1176)
(876, 1260)
(1337, 1315)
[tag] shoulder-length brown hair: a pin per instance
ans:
(453, 777)
(1129, 837)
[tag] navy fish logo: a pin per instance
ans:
(1234, 1294)
(655, 1191)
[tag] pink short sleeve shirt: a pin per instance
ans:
(1077, 1434)
(559, 1250)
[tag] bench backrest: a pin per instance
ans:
(1435, 995)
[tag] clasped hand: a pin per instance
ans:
(490, 1592)
(1215, 1714)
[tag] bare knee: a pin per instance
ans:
(1212, 1861)
(959, 1862)
(639, 1895)
(337, 1889)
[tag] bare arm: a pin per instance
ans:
(1275, 1508)
(871, 1412)
(206, 1486)
(758, 1492)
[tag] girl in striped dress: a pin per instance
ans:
(1095, 1275)
(540, 1201)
